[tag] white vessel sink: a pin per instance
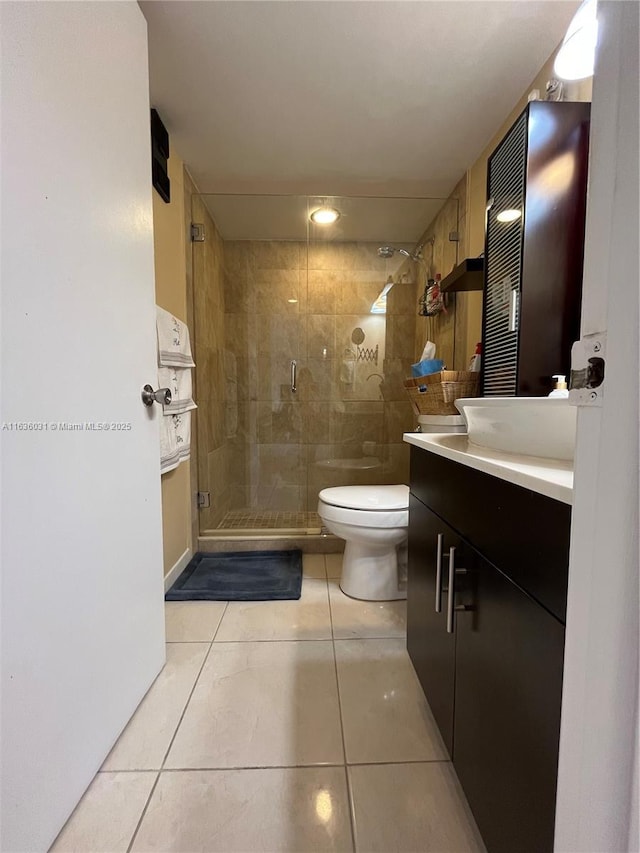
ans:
(527, 426)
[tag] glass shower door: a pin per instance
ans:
(276, 452)
(250, 375)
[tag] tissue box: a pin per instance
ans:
(426, 367)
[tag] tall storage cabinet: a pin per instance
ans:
(536, 197)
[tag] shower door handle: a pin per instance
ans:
(294, 372)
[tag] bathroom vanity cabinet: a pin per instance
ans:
(488, 564)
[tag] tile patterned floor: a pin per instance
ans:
(279, 726)
(251, 519)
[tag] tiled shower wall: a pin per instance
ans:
(288, 301)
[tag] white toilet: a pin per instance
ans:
(373, 521)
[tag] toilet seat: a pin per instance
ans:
(366, 506)
(372, 498)
(362, 518)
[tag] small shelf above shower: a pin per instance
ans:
(468, 275)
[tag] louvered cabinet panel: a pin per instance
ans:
(506, 181)
(533, 262)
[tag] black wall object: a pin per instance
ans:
(533, 270)
(159, 157)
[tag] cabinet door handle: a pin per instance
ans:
(438, 604)
(451, 593)
(513, 311)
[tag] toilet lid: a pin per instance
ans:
(367, 497)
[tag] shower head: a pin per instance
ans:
(390, 251)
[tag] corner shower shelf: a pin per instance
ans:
(468, 275)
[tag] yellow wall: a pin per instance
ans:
(171, 294)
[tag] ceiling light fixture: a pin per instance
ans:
(577, 54)
(509, 215)
(325, 215)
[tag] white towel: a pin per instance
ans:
(169, 454)
(174, 346)
(178, 381)
(182, 427)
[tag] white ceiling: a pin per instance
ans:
(393, 97)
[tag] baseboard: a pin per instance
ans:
(177, 568)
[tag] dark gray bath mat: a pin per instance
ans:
(240, 576)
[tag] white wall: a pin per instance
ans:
(82, 627)
(597, 784)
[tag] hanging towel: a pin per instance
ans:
(178, 381)
(169, 453)
(182, 427)
(174, 372)
(174, 346)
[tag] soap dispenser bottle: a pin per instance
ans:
(560, 388)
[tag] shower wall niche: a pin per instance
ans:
(300, 299)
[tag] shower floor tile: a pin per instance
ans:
(249, 519)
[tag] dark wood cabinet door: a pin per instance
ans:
(430, 647)
(508, 683)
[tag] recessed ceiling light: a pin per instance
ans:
(292, 301)
(509, 215)
(325, 215)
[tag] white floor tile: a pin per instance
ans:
(365, 619)
(305, 619)
(411, 808)
(384, 712)
(192, 621)
(144, 742)
(261, 705)
(334, 565)
(313, 566)
(248, 811)
(106, 817)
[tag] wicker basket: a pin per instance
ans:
(435, 394)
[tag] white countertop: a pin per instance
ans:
(550, 477)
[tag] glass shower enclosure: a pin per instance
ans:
(303, 335)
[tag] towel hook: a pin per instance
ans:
(149, 396)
